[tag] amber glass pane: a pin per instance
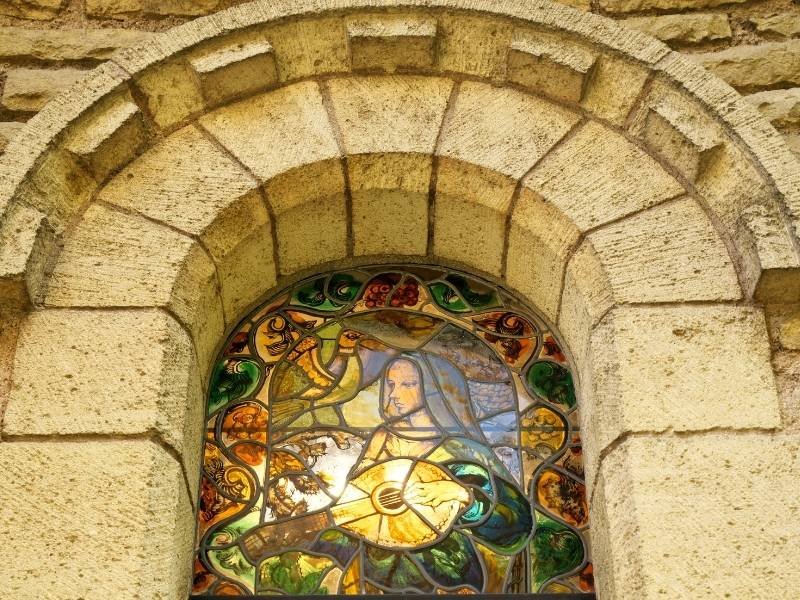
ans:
(392, 430)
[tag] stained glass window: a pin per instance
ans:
(392, 430)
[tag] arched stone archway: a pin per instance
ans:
(623, 192)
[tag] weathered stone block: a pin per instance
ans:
(119, 9)
(787, 378)
(539, 241)
(172, 92)
(122, 504)
(786, 24)
(605, 97)
(8, 131)
(310, 208)
(392, 42)
(28, 90)
(109, 137)
(668, 253)
(107, 372)
(597, 176)
(26, 241)
(264, 131)
(207, 195)
(234, 70)
(309, 47)
(67, 44)
(752, 67)
(32, 9)
(671, 501)
(60, 187)
(115, 259)
(680, 140)
(389, 113)
(780, 107)
(587, 296)
(474, 44)
(550, 66)
(471, 206)
(626, 6)
(691, 28)
(784, 325)
(502, 129)
(686, 368)
(390, 203)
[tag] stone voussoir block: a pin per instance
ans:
(117, 259)
(392, 43)
(236, 69)
(550, 66)
(682, 142)
(389, 113)
(208, 195)
(292, 148)
(122, 502)
(109, 136)
(667, 253)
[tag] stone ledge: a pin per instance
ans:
(550, 66)
(28, 90)
(234, 70)
(677, 138)
(67, 44)
(390, 43)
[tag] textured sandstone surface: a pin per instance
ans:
(28, 90)
(119, 504)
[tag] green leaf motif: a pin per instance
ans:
(555, 550)
(552, 382)
(233, 378)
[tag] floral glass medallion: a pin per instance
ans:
(392, 430)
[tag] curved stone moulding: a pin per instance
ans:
(692, 123)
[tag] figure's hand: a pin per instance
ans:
(435, 493)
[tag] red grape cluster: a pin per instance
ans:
(378, 290)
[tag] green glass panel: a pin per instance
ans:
(312, 295)
(446, 297)
(232, 379)
(344, 287)
(555, 549)
(552, 382)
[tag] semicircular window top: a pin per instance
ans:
(392, 430)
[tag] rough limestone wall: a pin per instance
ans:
(46, 45)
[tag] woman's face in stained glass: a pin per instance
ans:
(403, 393)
